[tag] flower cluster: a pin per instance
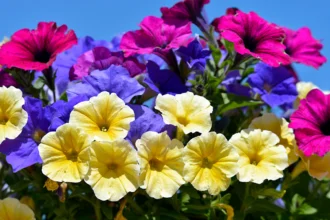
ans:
(218, 123)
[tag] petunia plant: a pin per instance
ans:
(161, 123)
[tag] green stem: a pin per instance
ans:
(97, 209)
(246, 195)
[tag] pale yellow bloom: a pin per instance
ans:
(261, 157)
(28, 201)
(114, 170)
(210, 162)
(104, 117)
(65, 154)
(161, 164)
(189, 112)
(12, 116)
(303, 89)
(280, 127)
(12, 209)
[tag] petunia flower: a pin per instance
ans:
(101, 58)
(233, 85)
(65, 154)
(163, 81)
(7, 80)
(5, 40)
(194, 55)
(210, 162)
(36, 49)
(12, 116)
(303, 48)
(64, 62)
(303, 89)
(254, 36)
(155, 37)
(184, 12)
(115, 79)
(280, 127)
(260, 156)
(114, 170)
(310, 123)
(13, 209)
(189, 112)
(275, 85)
(104, 117)
(23, 151)
(161, 164)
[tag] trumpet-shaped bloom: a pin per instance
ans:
(210, 162)
(303, 48)
(261, 158)
(12, 209)
(161, 164)
(114, 170)
(12, 115)
(280, 127)
(104, 117)
(115, 79)
(254, 36)
(65, 154)
(36, 49)
(189, 112)
(311, 124)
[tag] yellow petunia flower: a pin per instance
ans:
(161, 164)
(12, 209)
(104, 117)
(12, 116)
(189, 112)
(210, 162)
(114, 170)
(65, 154)
(280, 127)
(261, 157)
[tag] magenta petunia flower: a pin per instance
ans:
(311, 124)
(303, 48)
(184, 12)
(155, 37)
(254, 36)
(36, 49)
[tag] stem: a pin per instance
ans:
(97, 209)
(246, 195)
(120, 215)
(299, 168)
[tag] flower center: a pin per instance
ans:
(183, 120)
(156, 164)
(250, 43)
(254, 160)
(325, 128)
(267, 87)
(104, 128)
(206, 163)
(73, 156)
(288, 51)
(112, 166)
(42, 56)
(38, 135)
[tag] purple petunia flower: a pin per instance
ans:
(146, 120)
(194, 55)
(276, 86)
(7, 80)
(115, 79)
(163, 81)
(233, 85)
(23, 151)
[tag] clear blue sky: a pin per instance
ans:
(103, 19)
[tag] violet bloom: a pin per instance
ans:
(194, 55)
(23, 151)
(101, 58)
(254, 36)
(115, 79)
(233, 85)
(184, 12)
(303, 48)
(164, 81)
(276, 86)
(155, 37)
(145, 120)
(65, 61)
(7, 80)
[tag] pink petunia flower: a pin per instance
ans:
(311, 124)
(184, 12)
(155, 37)
(303, 48)
(254, 36)
(101, 58)
(36, 49)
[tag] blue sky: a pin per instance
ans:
(103, 19)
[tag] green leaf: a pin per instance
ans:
(263, 205)
(39, 83)
(306, 209)
(106, 210)
(233, 102)
(270, 192)
(298, 206)
(216, 54)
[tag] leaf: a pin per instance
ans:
(233, 102)
(106, 210)
(306, 209)
(298, 206)
(262, 205)
(216, 54)
(270, 192)
(39, 83)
